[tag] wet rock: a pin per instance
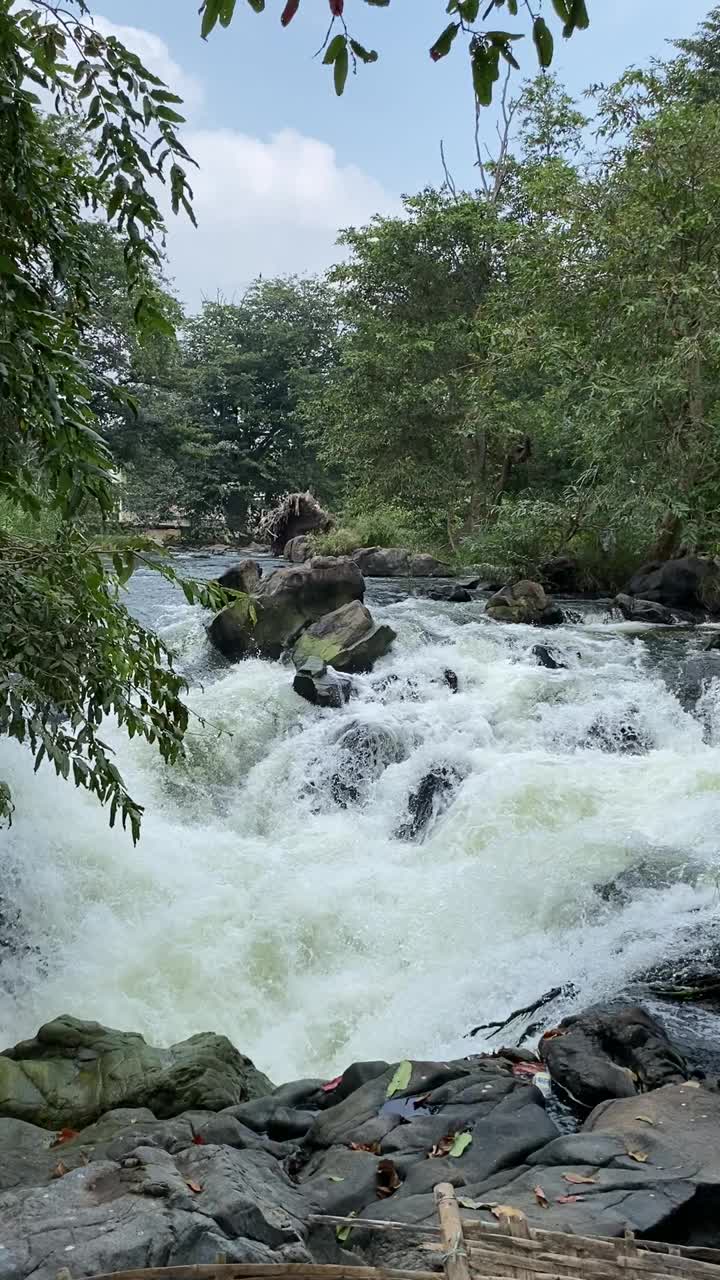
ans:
(284, 604)
(452, 593)
(524, 602)
(73, 1071)
(606, 1053)
(365, 749)
(696, 675)
(713, 644)
(347, 639)
(546, 658)
(432, 796)
(562, 574)
(619, 732)
(635, 609)
(658, 873)
(321, 687)
(450, 679)
(398, 562)
(298, 550)
(691, 583)
(244, 576)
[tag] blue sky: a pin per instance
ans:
(284, 162)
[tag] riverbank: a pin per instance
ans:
(116, 1155)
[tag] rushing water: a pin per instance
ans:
(257, 906)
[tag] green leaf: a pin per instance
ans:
(333, 49)
(512, 8)
(226, 12)
(210, 13)
(257, 5)
(578, 20)
(340, 69)
(468, 9)
(335, 1177)
(443, 44)
(461, 1143)
(401, 1079)
(365, 55)
(543, 40)
(561, 9)
(342, 1233)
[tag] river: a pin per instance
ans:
(309, 933)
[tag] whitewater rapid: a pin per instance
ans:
(309, 933)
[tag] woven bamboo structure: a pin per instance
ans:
(509, 1249)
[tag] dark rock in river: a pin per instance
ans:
(450, 679)
(452, 592)
(649, 873)
(244, 576)
(346, 639)
(619, 732)
(74, 1071)
(691, 583)
(398, 562)
(284, 603)
(634, 609)
(524, 602)
(364, 751)
(546, 658)
(713, 644)
(321, 687)
(695, 676)
(433, 794)
(611, 1053)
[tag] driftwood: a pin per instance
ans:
(569, 990)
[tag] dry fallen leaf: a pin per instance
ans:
(442, 1148)
(372, 1147)
(466, 1203)
(577, 1177)
(195, 1186)
(640, 1156)
(507, 1211)
(541, 1197)
(65, 1135)
(335, 1177)
(60, 1170)
(568, 1199)
(388, 1179)
(645, 1119)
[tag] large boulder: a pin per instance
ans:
(399, 562)
(691, 583)
(295, 514)
(285, 602)
(347, 639)
(635, 609)
(74, 1071)
(321, 687)
(298, 550)
(611, 1053)
(526, 602)
(244, 576)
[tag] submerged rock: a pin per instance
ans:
(364, 751)
(284, 603)
(524, 602)
(74, 1071)
(655, 873)
(244, 576)
(691, 583)
(432, 796)
(398, 562)
(346, 639)
(546, 658)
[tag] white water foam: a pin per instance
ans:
(257, 906)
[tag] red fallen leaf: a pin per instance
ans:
(541, 1197)
(569, 1199)
(388, 1179)
(442, 1148)
(553, 1033)
(65, 1135)
(336, 8)
(527, 1068)
(289, 11)
(198, 1140)
(194, 1186)
(331, 1084)
(60, 1170)
(372, 1147)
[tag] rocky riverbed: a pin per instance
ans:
(116, 1155)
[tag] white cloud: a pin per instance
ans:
(154, 52)
(265, 207)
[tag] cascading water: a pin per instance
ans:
(271, 897)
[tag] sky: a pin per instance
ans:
(284, 163)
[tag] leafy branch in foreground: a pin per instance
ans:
(486, 46)
(71, 658)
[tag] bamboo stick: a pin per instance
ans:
(455, 1259)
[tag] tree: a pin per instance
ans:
(486, 46)
(56, 695)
